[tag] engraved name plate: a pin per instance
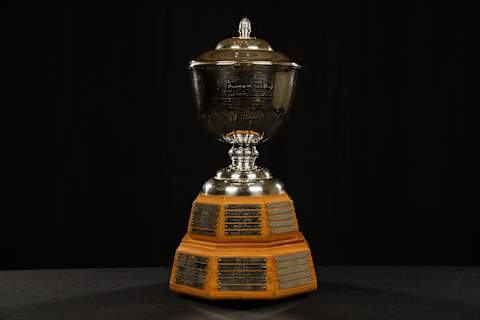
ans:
(242, 220)
(191, 270)
(204, 219)
(293, 270)
(241, 274)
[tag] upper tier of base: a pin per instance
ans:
(243, 219)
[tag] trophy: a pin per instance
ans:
(243, 239)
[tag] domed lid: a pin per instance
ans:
(243, 50)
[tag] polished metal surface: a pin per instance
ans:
(277, 230)
(242, 206)
(247, 102)
(242, 213)
(243, 92)
(204, 232)
(235, 63)
(243, 232)
(291, 263)
(281, 217)
(206, 209)
(281, 224)
(241, 287)
(256, 188)
(292, 256)
(204, 219)
(191, 270)
(241, 281)
(278, 204)
(244, 28)
(241, 266)
(295, 283)
(241, 274)
(236, 174)
(280, 210)
(237, 274)
(243, 50)
(293, 270)
(242, 260)
(242, 229)
(242, 220)
(242, 226)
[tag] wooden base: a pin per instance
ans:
(243, 248)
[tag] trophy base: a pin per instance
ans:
(266, 281)
(243, 247)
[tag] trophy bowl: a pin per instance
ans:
(243, 91)
(243, 103)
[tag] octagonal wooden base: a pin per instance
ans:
(243, 247)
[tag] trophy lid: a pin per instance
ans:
(243, 49)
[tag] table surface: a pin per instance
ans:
(142, 293)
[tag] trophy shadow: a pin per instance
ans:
(330, 301)
(245, 304)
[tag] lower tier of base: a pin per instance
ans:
(243, 270)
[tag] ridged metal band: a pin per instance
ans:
(194, 63)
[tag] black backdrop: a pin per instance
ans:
(112, 154)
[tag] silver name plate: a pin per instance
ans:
(191, 271)
(242, 232)
(242, 220)
(242, 206)
(281, 217)
(240, 266)
(278, 204)
(246, 219)
(241, 274)
(242, 226)
(241, 260)
(204, 219)
(242, 213)
(293, 270)
(241, 287)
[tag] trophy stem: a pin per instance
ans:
(243, 157)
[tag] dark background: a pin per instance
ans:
(110, 153)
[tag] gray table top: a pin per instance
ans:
(142, 293)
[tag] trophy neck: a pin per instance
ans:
(243, 177)
(243, 157)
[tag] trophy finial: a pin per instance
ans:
(244, 28)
